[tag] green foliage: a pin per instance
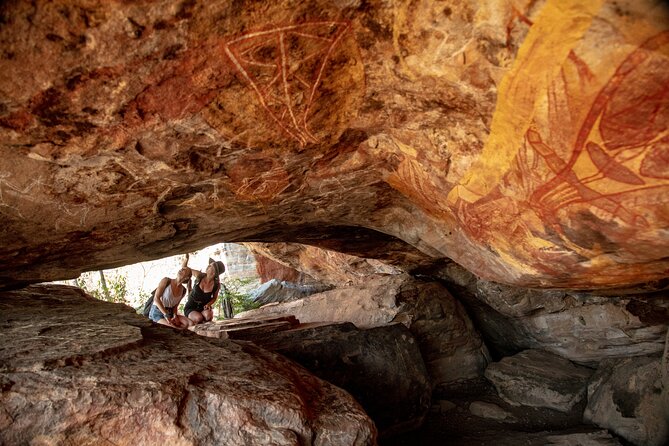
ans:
(143, 297)
(116, 288)
(234, 291)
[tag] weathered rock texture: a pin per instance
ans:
(451, 347)
(525, 140)
(325, 265)
(583, 327)
(380, 367)
(276, 291)
(539, 379)
(629, 398)
(74, 371)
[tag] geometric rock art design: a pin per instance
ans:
(284, 67)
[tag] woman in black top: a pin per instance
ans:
(204, 292)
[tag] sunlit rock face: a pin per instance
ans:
(525, 140)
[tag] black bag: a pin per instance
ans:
(147, 306)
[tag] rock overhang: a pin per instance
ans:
(526, 145)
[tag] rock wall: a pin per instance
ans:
(583, 327)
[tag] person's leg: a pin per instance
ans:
(208, 314)
(182, 322)
(156, 315)
(164, 321)
(196, 317)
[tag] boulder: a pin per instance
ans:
(380, 367)
(539, 379)
(450, 345)
(628, 397)
(74, 370)
(582, 327)
(280, 291)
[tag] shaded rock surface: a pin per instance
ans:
(452, 421)
(380, 367)
(79, 371)
(451, 345)
(628, 397)
(524, 140)
(448, 341)
(539, 379)
(583, 327)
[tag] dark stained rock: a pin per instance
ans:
(470, 413)
(74, 370)
(380, 367)
(452, 347)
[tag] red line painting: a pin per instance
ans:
(585, 182)
(284, 66)
(631, 115)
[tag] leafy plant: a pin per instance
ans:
(143, 297)
(235, 292)
(110, 290)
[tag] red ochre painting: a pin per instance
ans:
(580, 187)
(284, 67)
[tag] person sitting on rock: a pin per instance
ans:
(204, 292)
(167, 297)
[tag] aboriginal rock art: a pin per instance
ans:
(605, 176)
(622, 144)
(258, 179)
(284, 67)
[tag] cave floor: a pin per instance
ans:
(450, 422)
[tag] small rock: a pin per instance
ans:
(490, 411)
(445, 405)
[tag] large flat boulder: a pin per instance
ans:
(539, 379)
(74, 370)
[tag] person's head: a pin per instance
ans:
(183, 276)
(215, 268)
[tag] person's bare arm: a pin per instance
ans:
(157, 301)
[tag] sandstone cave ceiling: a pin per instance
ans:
(528, 141)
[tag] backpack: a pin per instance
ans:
(147, 306)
